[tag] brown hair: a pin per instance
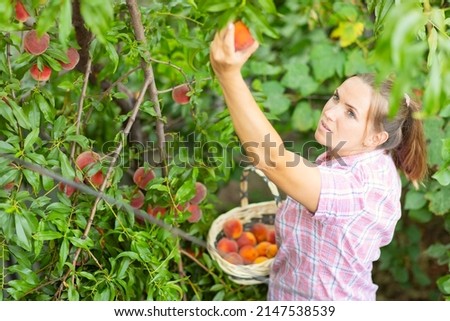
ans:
(406, 140)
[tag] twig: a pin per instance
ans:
(148, 71)
(119, 80)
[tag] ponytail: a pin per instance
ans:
(406, 138)
(410, 155)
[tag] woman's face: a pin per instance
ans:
(343, 124)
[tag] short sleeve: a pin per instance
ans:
(341, 194)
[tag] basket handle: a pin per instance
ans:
(244, 185)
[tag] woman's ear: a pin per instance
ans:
(376, 139)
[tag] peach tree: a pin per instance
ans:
(115, 141)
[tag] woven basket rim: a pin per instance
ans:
(242, 274)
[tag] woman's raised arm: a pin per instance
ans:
(293, 174)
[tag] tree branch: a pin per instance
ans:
(138, 28)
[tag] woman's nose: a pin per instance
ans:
(330, 112)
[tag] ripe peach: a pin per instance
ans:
(97, 179)
(271, 235)
(233, 228)
(260, 259)
(272, 250)
(34, 44)
(73, 56)
(40, 75)
(261, 248)
(138, 199)
(86, 158)
(85, 161)
(200, 193)
(248, 253)
(260, 231)
(67, 189)
(242, 36)
(156, 211)
(143, 176)
(196, 213)
(226, 245)
(179, 94)
(234, 258)
(9, 186)
(246, 238)
(22, 14)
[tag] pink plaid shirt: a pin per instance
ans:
(328, 255)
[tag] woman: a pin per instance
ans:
(341, 210)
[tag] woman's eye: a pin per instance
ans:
(335, 96)
(350, 113)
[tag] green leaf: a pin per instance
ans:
(31, 138)
(267, 6)
(185, 192)
(439, 200)
(443, 176)
(6, 112)
(23, 232)
(47, 110)
(414, 200)
(303, 117)
(98, 15)
(421, 215)
(65, 22)
(6, 148)
(326, 61)
(72, 293)
(33, 178)
(444, 284)
(63, 253)
(217, 5)
(20, 116)
(47, 235)
(66, 169)
(276, 101)
(86, 243)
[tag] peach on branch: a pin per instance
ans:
(137, 199)
(68, 189)
(200, 193)
(143, 176)
(73, 56)
(180, 94)
(233, 228)
(85, 161)
(22, 14)
(156, 211)
(87, 158)
(196, 213)
(35, 44)
(242, 36)
(40, 75)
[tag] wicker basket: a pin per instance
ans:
(248, 214)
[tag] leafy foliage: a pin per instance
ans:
(53, 246)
